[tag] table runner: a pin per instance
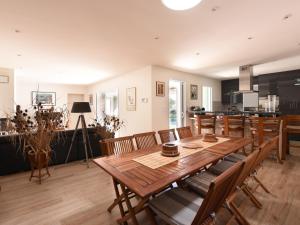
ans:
(156, 160)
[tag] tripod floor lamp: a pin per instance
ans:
(81, 107)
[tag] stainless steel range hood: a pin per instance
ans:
(246, 79)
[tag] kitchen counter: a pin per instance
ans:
(246, 113)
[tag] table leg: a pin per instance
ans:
(118, 198)
(129, 206)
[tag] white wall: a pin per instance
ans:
(7, 93)
(135, 121)
(160, 105)
(23, 89)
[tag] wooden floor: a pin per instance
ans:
(75, 195)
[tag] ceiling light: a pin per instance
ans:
(156, 37)
(287, 16)
(19, 55)
(17, 31)
(250, 38)
(197, 53)
(180, 4)
(215, 8)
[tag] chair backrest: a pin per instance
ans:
(145, 140)
(263, 127)
(264, 150)
(167, 135)
(206, 122)
(291, 120)
(247, 168)
(118, 146)
(234, 123)
(184, 132)
(218, 191)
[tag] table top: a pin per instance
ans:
(145, 181)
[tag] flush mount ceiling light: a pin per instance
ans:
(180, 4)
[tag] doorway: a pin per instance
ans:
(176, 104)
(73, 116)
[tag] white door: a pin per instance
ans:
(73, 116)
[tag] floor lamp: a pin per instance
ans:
(81, 107)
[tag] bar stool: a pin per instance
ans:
(207, 122)
(234, 124)
(291, 125)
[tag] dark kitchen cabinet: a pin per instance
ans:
(228, 88)
(289, 100)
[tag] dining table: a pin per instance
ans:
(145, 172)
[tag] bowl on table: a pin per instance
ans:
(170, 150)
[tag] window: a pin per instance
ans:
(108, 103)
(207, 98)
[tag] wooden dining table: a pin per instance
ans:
(145, 182)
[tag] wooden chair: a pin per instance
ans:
(145, 140)
(265, 128)
(119, 146)
(167, 135)
(234, 124)
(291, 125)
(266, 148)
(179, 206)
(184, 132)
(200, 183)
(206, 122)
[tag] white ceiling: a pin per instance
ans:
(83, 41)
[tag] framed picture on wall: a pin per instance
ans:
(160, 89)
(91, 99)
(194, 92)
(131, 99)
(45, 98)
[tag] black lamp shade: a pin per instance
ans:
(81, 107)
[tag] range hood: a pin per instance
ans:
(246, 79)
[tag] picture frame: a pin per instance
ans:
(131, 99)
(160, 88)
(4, 79)
(45, 98)
(91, 99)
(194, 92)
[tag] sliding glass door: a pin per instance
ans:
(176, 104)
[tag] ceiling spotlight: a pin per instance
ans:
(197, 53)
(215, 8)
(19, 55)
(286, 17)
(250, 38)
(156, 38)
(180, 4)
(17, 31)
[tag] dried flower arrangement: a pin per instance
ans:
(107, 126)
(35, 132)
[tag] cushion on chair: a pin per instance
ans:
(220, 167)
(235, 157)
(177, 206)
(200, 182)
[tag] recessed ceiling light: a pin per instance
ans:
(197, 53)
(286, 17)
(180, 4)
(215, 8)
(19, 55)
(17, 31)
(250, 38)
(156, 38)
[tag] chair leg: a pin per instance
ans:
(253, 199)
(241, 220)
(151, 216)
(261, 184)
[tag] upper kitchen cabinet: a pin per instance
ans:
(228, 88)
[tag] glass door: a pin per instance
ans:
(176, 104)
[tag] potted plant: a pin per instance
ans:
(107, 127)
(35, 131)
